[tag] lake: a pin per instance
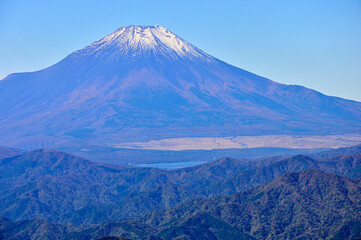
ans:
(172, 165)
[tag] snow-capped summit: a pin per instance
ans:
(143, 40)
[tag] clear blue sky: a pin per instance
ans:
(312, 43)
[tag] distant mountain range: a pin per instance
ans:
(309, 204)
(6, 152)
(145, 83)
(58, 195)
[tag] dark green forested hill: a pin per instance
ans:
(309, 204)
(62, 190)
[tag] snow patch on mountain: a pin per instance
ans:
(140, 40)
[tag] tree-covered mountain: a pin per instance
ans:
(62, 188)
(307, 204)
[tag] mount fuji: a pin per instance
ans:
(144, 83)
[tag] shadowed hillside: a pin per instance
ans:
(308, 204)
(63, 188)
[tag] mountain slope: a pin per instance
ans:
(63, 188)
(143, 83)
(339, 151)
(309, 204)
(6, 152)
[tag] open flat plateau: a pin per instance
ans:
(241, 142)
